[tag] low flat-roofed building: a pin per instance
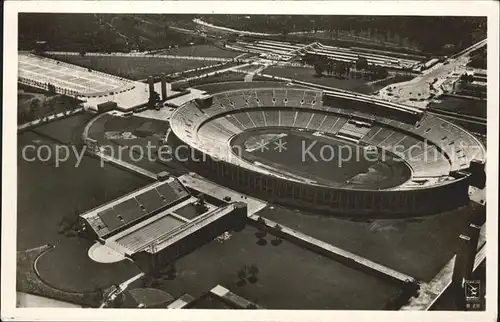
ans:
(168, 247)
(161, 222)
(118, 215)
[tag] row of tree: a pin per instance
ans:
(324, 64)
(429, 33)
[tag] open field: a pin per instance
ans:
(108, 131)
(194, 73)
(283, 269)
(227, 86)
(225, 77)
(401, 244)
(461, 106)
(134, 68)
(66, 131)
(47, 195)
(201, 51)
(51, 196)
(34, 105)
(68, 267)
(309, 75)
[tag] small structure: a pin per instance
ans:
(106, 107)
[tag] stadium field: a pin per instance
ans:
(201, 51)
(309, 75)
(282, 267)
(401, 244)
(134, 68)
(324, 160)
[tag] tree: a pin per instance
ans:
(330, 67)
(242, 275)
(277, 239)
(34, 106)
(340, 68)
(50, 105)
(361, 63)
(318, 68)
(253, 270)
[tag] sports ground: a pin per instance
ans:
(322, 159)
(134, 68)
(308, 74)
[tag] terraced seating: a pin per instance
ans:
(338, 125)
(214, 109)
(271, 117)
(286, 117)
(224, 100)
(244, 119)
(258, 118)
(309, 98)
(250, 100)
(302, 118)
(279, 97)
(265, 97)
(317, 121)
(231, 118)
(328, 123)
(392, 139)
(294, 97)
(412, 148)
(227, 125)
(237, 100)
(214, 131)
(353, 130)
(254, 99)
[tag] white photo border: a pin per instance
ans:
(9, 162)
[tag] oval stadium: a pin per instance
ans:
(342, 153)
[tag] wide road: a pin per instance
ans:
(419, 88)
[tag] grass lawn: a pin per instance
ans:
(28, 281)
(309, 75)
(419, 247)
(134, 68)
(204, 71)
(201, 51)
(47, 193)
(146, 130)
(461, 106)
(233, 85)
(26, 97)
(67, 267)
(289, 276)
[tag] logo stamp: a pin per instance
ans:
(473, 295)
(473, 290)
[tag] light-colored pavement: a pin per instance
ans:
(433, 82)
(25, 300)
